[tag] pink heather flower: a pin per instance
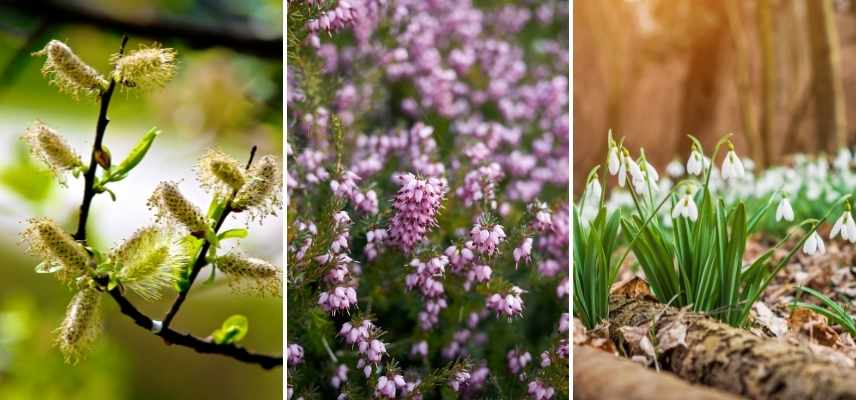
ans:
(385, 387)
(416, 206)
(563, 351)
(523, 252)
(374, 240)
(563, 289)
(539, 391)
(339, 299)
(347, 188)
(485, 239)
(459, 380)
(353, 334)
(343, 15)
(295, 354)
(340, 376)
(420, 349)
(564, 323)
(479, 185)
(549, 267)
(543, 217)
(478, 377)
(517, 361)
(509, 305)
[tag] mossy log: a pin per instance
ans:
(603, 376)
(733, 359)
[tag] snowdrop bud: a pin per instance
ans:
(65, 256)
(173, 206)
(732, 166)
(146, 262)
(622, 171)
(784, 211)
(220, 173)
(51, 149)
(251, 274)
(695, 163)
(613, 162)
(68, 72)
(814, 245)
(261, 193)
(145, 68)
(81, 325)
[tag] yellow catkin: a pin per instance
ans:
(51, 149)
(68, 72)
(251, 275)
(220, 173)
(145, 68)
(261, 193)
(145, 262)
(46, 240)
(171, 205)
(81, 326)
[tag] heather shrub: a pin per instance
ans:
(427, 199)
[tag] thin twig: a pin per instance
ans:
(205, 346)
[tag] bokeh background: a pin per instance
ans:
(774, 72)
(228, 94)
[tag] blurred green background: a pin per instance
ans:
(228, 94)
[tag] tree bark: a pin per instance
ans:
(768, 79)
(733, 359)
(602, 376)
(830, 117)
(743, 82)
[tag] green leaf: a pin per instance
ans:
(233, 330)
(237, 233)
(134, 157)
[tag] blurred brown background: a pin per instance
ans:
(774, 72)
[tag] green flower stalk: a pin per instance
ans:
(51, 149)
(251, 275)
(68, 72)
(145, 262)
(220, 173)
(261, 192)
(81, 326)
(145, 68)
(58, 250)
(171, 205)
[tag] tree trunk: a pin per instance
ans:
(733, 359)
(602, 376)
(830, 117)
(768, 78)
(743, 81)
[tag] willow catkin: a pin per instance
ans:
(261, 193)
(46, 240)
(220, 173)
(251, 275)
(171, 205)
(68, 72)
(146, 260)
(145, 68)
(81, 326)
(49, 147)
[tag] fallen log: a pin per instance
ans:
(733, 359)
(602, 376)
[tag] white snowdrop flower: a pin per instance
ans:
(695, 163)
(594, 190)
(634, 169)
(784, 211)
(845, 226)
(622, 172)
(850, 227)
(814, 245)
(686, 207)
(613, 162)
(675, 169)
(651, 172)
(843, 159)
(732, 167)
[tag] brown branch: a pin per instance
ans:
(195, 35)
(170, 336)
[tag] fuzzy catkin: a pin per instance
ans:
(172, 205)
(51, 148)
(220, 173)
(146, 260)
(81, 326)
(261, 192)
(48, 241)
(68, 72)
(251, 274)
(145, 68)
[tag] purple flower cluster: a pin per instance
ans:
(363, 335)
(388, 385)
(510, 305)
(342, 295)
(416, 206)
(427, 278)
(486, 239)
(295, 354)
(539, 391)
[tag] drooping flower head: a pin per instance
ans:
(51, 149)
(784, 211)
(416, 206)
(261, 193)
(295, 354)
(814, 245)
(486, 238)
(172, 206)
(732, 166)
(686, 208)
(68, 72)
(81, 326)
(251, 274)
(220, 173)
(145, 68)
(145, 262)
(58, 250)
